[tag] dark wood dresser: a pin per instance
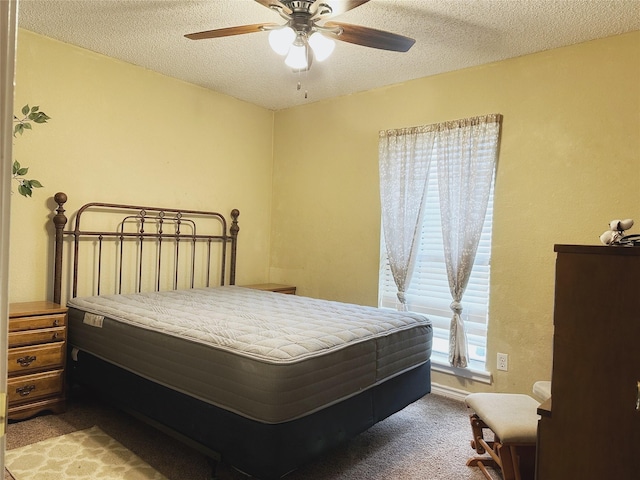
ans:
(590, 429)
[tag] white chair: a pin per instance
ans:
(513, 421)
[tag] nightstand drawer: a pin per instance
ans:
(34, 337)
(28, 359)
(27, 388)
(17, 324)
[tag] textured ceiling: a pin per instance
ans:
(449, 34)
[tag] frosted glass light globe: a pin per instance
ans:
(297, 58)
(321, 45)
(281, 40)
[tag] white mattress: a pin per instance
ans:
(266, 356)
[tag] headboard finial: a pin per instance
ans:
(235, 213)
(59, 221)
(60, 198)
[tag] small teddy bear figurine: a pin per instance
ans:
(615, 235)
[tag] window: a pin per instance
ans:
(468, 157)
(428, 291)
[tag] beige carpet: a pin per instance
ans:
(428, 440)
(82, 455)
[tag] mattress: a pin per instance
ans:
(266, 356)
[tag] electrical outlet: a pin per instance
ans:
(503, 361)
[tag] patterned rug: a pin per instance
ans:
(83, 455)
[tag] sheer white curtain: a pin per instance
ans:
(404, 156)
(467, 152)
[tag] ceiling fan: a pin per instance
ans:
(302, 38)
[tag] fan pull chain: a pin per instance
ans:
(306, 92)
(299, 86)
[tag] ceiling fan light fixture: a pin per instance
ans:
(321, 45)
(281, 39)
(307, 35)
(298, 57)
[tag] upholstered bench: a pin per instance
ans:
(513, 420)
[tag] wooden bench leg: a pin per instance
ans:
(508, 457)
(481, 446)
(516, 462)
(477, 426)
(482, 463)
(493, 454)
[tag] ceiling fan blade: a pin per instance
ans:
(226, 32)
(277, 4)
(370, 37)
(335, 7)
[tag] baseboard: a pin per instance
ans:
(449, 392)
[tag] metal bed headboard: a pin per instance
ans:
(150, 231)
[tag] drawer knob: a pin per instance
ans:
(56, 322)
(26, 361)
(55, 335)
(26, 390)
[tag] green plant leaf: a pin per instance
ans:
(33, 114)
(39, 117)
(24, 191)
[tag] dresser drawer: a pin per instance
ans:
(38, 357)
(17, 324)
(27, 388)
(34, 337)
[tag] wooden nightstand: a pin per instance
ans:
(37, 357)
(273, 287)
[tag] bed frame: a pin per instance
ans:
(142, 239)
(134, 231)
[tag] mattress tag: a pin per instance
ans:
(93, 319)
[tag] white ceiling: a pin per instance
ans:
(449, 34)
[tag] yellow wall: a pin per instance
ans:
(569, 163)
(120, 133)
(307, 185)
